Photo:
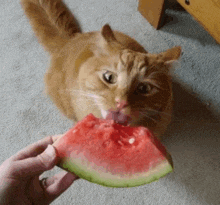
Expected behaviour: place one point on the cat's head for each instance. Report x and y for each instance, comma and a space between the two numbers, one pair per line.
128, 85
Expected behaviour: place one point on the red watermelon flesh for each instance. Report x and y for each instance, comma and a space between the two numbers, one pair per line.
113, 155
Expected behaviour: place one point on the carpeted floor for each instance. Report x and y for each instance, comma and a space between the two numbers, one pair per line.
193, 138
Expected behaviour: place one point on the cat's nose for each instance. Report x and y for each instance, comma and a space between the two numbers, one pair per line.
121, 103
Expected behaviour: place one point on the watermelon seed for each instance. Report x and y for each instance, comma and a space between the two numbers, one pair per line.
131, 141
120, 142
106, 143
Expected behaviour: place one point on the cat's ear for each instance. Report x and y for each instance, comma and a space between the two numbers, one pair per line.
105, 44
170, 57
107, 33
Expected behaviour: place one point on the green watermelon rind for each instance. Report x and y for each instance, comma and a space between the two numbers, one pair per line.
92, 175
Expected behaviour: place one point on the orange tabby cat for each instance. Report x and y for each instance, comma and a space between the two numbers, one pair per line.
106, 73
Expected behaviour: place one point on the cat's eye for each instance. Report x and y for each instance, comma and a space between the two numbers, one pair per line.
109, 77
144, 88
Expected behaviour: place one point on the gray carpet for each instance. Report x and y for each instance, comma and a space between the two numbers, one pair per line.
193, 139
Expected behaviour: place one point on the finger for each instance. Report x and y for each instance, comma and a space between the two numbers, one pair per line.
36, 148
35, 165
57, 184
56, 137
49, 181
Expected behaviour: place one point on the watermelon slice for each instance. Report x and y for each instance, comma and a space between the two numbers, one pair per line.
113, 155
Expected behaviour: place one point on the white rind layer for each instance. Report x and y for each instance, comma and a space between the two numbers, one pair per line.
101, 176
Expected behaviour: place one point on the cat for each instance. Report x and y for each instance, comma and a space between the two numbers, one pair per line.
104, 72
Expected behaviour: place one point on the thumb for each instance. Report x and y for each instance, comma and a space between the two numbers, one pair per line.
46, 160
37, 165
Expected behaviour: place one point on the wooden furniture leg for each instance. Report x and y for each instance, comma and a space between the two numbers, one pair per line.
153, 11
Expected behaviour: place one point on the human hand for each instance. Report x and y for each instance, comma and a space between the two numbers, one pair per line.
19, 176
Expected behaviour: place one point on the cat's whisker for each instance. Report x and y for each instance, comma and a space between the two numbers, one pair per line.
156, 121
90, 102
156, 111
145, 115
164, 114
83, 93
87, 94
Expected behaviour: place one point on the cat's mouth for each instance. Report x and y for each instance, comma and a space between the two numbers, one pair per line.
118, 117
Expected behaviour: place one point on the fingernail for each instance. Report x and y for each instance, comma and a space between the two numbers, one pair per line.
50, 151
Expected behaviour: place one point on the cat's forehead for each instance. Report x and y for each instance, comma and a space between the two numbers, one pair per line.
132, 63
133, 59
